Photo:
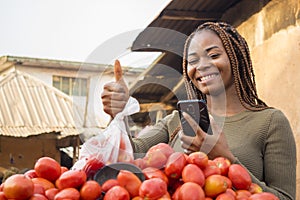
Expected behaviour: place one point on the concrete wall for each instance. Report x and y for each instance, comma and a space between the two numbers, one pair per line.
273, 35
22, 153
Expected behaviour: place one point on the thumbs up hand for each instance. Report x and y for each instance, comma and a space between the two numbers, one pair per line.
115, 94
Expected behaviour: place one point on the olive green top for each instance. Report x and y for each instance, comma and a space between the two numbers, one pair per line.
262, 141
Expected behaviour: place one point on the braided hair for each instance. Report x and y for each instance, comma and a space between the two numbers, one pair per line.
239, 56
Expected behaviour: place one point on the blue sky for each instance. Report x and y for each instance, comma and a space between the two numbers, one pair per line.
71, 29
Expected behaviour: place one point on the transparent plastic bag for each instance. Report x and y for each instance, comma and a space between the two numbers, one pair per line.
113, 144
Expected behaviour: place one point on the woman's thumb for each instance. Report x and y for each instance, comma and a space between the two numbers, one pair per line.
118, 70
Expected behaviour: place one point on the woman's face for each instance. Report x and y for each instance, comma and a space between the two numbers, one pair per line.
208, 64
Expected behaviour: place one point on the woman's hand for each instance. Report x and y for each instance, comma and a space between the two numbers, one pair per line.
115, 94
214, 145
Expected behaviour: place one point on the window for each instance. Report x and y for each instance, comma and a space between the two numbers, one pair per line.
71, 86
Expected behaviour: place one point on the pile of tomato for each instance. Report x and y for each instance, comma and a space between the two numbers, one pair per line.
168, 175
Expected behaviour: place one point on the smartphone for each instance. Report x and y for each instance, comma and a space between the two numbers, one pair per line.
197, 109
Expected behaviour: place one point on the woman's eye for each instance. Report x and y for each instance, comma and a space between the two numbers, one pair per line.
193, 61
214, 55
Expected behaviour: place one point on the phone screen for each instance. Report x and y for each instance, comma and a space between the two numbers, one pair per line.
197, 109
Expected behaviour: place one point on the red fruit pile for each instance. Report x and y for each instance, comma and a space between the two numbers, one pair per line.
169, 175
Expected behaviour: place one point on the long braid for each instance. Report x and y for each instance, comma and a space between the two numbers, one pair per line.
239, 55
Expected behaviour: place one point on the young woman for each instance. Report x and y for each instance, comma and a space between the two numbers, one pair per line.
217, 68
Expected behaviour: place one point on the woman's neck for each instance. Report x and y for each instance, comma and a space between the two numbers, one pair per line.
225, 104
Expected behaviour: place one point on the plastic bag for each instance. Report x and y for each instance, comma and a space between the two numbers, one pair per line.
113, 144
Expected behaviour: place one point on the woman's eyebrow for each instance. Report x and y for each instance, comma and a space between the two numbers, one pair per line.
212, 47
192, 54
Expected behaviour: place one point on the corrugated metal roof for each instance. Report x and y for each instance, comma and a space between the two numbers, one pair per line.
30, 107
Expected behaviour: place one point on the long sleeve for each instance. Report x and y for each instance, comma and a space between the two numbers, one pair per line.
263, 142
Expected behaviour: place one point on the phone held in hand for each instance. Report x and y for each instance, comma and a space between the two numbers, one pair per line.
197, 109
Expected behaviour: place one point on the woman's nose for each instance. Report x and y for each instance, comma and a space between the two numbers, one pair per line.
203, 64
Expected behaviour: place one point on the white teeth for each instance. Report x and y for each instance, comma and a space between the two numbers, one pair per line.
208, 77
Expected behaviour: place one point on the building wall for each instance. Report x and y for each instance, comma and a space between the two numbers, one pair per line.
23, 152
273, 35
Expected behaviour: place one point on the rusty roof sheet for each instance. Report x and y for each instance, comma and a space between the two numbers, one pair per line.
30, 107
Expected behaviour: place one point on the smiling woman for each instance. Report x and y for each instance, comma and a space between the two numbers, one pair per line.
217, 68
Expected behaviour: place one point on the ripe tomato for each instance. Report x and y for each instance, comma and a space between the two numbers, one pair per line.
241, 179
242, 194
255, 188
71, 179
47, 168
175, 165
91, 166
155, 159
198, 158
223, 164
117, 192
38, 197
38, 189
109, 184
190, 191
152, 172
166, 149
192, 173
44, 182
50, 193
90, 190
225, 196
140, 162
263, 196
67, 193
211, 169
18, 186
31, 173
130, 182
215, 185
153, 188
2, 196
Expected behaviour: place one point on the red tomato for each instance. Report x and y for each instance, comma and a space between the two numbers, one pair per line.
67, 193
153, 188
241, 179
91, 166
198, 158
151, 172
71, 179
38, 189
117, 192
140, 162
130, 182
255, 188
2, 196
109, 184
50, 193
192, 173
47, 168
263, 196
44, 182
90, 190
166, 149
38, 197
215, 185
211, 169
175, 164
225, 196
223, 164
242, 194
63, 169
155, 159
31, 173
190, 191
